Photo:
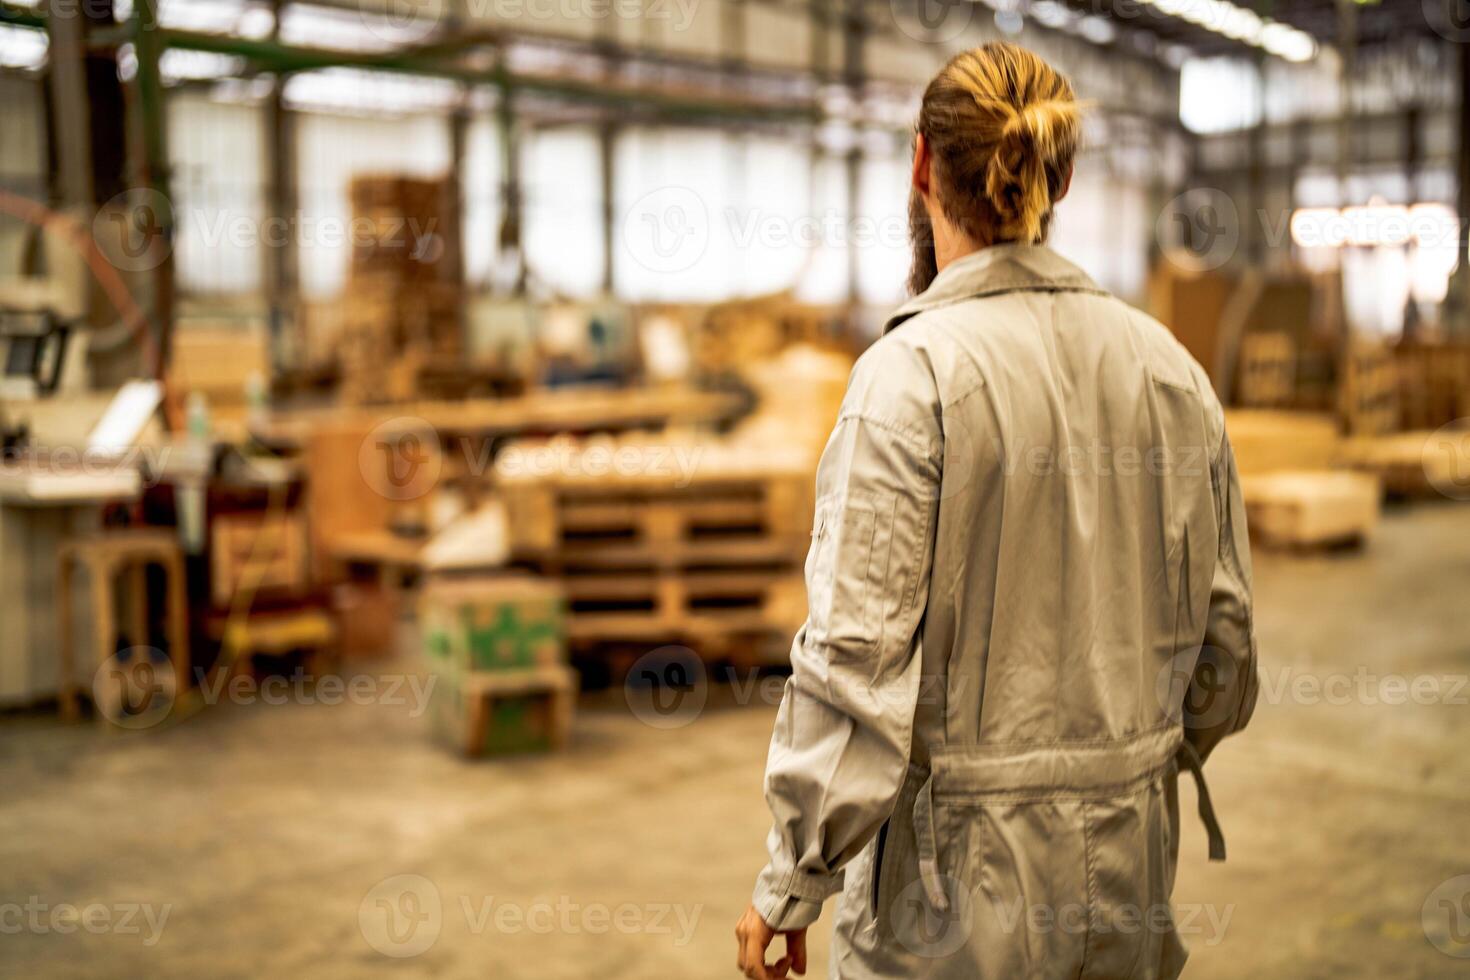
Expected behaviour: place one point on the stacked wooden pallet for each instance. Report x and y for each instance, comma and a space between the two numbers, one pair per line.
404, 300
1368, 390
1415, 464
708, 554
1267, 370
1309, 509
496, 647
1434, 383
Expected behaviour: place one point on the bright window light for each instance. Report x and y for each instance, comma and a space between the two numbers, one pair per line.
22, 48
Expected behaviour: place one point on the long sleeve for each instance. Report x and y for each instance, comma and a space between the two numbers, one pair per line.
842, 737
1222, 691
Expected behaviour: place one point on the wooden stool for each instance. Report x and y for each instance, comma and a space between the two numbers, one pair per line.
104, 556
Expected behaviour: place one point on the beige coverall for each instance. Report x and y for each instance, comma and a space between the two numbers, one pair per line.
1029, 607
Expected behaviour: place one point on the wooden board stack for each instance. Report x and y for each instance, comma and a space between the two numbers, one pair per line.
1307, 509
403, 300
1434, 383
1268, 370
1415, 464
1368, 391
1265, 441
707, 552
497, 648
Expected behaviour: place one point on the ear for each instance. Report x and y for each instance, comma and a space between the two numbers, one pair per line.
922, 160
1066, 186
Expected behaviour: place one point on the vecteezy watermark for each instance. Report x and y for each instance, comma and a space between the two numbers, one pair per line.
92, 461
563, 458
404, 915
667, 688
1450, 19
396, 690
934, 917
1446, 917
398, 21
401, 916
135, 688
401, 458
932, 21
39, 917
1446, 459
132, 230
667, 230
1199, 229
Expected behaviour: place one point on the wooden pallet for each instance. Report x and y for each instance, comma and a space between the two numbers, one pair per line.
1309, 509
659, 524
682, 605
703, 559
1414, 464
1368, 391
1267, 370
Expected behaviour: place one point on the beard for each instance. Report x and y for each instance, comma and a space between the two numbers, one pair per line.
923, 267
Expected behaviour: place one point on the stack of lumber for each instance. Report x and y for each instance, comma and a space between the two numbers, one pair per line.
1266, 442
1434, 383
404, 301
731, 335
1415, 464
220, 360
1311, 508
700, 543
1368, 390
798, 394
1267, 370
496, 646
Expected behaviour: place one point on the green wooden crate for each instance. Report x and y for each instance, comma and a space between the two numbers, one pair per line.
498, 623
502, 713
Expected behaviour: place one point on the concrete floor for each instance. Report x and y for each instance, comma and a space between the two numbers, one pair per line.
270, 833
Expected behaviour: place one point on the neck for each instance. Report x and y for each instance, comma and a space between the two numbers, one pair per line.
950, 242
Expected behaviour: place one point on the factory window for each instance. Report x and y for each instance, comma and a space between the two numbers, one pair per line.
1203, 82
218, 183
703, 215
332, 149
562, 236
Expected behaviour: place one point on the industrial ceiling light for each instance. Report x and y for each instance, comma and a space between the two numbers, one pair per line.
1241, 24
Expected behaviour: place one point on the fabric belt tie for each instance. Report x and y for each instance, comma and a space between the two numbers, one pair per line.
1189, 756
928, 847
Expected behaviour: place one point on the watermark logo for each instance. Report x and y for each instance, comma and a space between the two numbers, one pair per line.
1450, 19
1446, 459
667, 688
1199, 229
933, 920
401, 916
668, 230
401, 21
401, 459
1446, 917
932, 21
404, 915
135, 688
39, 917
131, 230
1199, 688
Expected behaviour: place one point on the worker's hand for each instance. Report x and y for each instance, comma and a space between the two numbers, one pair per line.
754, 937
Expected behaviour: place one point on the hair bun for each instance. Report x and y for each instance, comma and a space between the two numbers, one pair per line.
1033, 138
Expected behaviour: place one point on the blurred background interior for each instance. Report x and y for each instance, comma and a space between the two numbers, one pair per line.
410, 412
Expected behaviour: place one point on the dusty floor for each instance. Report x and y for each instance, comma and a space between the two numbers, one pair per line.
271, 836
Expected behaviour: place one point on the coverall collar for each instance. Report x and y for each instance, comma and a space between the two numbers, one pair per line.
996, 269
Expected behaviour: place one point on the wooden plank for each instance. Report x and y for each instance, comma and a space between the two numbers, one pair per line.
1311, 509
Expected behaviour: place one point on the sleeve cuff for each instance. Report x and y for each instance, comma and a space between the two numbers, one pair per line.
792, 900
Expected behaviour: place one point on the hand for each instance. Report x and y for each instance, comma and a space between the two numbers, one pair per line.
754, 936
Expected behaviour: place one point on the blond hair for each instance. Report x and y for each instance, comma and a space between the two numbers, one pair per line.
1003, 127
